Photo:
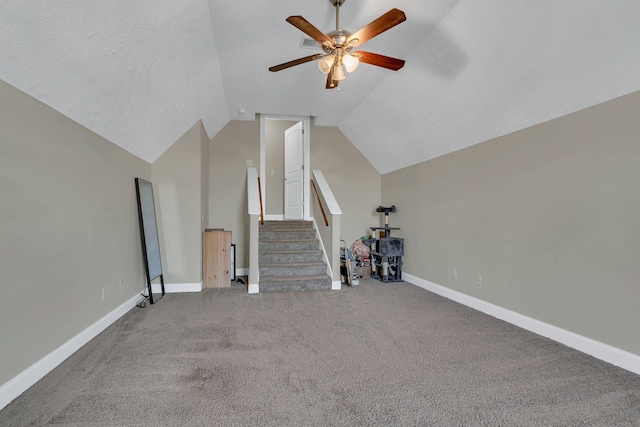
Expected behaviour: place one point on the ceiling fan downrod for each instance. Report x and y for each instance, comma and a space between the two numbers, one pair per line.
337, 4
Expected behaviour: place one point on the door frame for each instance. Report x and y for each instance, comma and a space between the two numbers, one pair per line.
306, 126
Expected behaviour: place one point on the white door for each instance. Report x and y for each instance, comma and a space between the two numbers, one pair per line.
293, 176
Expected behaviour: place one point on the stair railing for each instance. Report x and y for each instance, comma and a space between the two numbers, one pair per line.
254, 203
324, 215
260, 197
329, 235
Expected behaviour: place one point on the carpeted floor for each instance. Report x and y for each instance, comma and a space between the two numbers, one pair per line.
373, 355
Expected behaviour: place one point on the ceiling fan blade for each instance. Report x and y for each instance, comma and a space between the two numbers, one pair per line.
379, 60
378, 26
306, 27
295, 62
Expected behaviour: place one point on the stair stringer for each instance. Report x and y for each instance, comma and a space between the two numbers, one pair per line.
336, 285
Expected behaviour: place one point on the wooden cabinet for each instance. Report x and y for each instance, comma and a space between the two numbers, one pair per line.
216, 259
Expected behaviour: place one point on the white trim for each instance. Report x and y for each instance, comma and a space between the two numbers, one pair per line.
324, 251
336, 285
274, 217
176, 288
263, 159
242, 272
253, 198
254, 288
19, 384
306, 125
605, 352
327, 194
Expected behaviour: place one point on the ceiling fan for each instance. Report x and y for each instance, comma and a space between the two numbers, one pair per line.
338, 44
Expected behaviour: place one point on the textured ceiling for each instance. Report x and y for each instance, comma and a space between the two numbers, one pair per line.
142, 73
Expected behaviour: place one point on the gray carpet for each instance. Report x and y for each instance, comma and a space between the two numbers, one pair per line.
376, 354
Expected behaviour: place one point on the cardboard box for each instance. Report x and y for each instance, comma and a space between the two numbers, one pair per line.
364, 271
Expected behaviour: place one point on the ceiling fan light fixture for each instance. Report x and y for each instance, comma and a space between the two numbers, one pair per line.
326, 63
338, 72
350, 62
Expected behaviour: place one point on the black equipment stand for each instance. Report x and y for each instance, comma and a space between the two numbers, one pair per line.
386, 251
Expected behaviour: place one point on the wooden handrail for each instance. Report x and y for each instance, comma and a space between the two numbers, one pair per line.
326, 221
260, 196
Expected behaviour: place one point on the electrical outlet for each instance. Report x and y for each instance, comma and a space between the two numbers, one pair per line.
454, 273
121, 283
478, 279
104, 292
249, 162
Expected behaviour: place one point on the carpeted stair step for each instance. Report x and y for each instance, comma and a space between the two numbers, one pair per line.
293, 269
279, 225
290, 257
287, 234
295, 283
274, 257
293, 245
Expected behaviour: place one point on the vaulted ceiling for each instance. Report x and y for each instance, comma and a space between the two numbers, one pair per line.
141, 73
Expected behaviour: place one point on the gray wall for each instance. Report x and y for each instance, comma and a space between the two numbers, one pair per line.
229, 151
548, 216
177, 178
68, 227
355, 183
204, 178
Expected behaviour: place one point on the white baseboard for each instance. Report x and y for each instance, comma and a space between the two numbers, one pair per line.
242, 272
254, 288
176, 288
605, 352
19, 384
336, 285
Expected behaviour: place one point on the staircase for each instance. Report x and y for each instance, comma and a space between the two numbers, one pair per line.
290, 257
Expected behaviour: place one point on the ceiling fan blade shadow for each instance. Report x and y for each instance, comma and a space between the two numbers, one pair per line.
295, 62
378, 26
306, 27
380, 60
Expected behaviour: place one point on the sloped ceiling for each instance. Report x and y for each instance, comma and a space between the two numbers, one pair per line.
142, 73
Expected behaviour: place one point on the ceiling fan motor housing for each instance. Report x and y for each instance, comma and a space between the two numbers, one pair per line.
339, 38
